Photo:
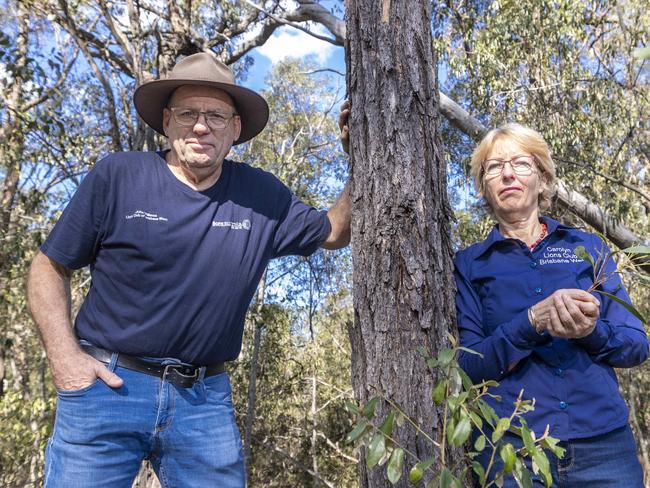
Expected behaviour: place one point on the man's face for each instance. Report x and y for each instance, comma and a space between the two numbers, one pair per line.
197, 146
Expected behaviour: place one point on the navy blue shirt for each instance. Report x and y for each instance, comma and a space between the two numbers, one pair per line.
572, 381
173, 269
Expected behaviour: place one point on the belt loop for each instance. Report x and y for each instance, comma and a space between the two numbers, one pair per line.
201, 373
113, 363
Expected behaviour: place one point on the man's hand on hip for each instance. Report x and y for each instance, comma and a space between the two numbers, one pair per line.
81, 370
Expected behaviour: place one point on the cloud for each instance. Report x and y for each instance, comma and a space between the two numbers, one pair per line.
288, 42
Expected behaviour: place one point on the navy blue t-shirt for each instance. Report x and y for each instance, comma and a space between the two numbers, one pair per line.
173, 269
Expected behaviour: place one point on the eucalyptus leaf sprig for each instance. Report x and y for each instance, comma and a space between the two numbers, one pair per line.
464, 409
635, 257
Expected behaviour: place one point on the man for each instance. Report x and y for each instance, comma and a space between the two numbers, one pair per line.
176, 242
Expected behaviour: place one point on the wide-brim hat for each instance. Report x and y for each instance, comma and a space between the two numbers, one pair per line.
202, 69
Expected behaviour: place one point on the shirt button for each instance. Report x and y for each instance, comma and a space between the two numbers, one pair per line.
533, 264
563, 405
559, 371
538, 290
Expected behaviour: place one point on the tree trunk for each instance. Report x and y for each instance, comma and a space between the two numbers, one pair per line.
403, 286
258, 324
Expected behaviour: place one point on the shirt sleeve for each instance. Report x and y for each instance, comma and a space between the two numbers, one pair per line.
76, 237
300, 230
619, 338
509, 343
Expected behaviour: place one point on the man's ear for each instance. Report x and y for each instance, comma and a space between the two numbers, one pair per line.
166, 116
237, 123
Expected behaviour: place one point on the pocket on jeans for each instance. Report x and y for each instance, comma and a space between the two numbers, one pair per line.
218, 388
79, 392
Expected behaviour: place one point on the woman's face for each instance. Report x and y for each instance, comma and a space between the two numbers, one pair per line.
512, 192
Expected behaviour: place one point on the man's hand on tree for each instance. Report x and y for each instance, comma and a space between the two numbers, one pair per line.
344, 115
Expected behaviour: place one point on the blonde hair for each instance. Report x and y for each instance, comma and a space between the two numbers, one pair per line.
530, 141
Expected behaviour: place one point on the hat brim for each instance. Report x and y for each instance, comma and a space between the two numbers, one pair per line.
151, 98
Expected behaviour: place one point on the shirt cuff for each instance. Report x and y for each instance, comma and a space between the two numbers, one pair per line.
595, 341
521, 332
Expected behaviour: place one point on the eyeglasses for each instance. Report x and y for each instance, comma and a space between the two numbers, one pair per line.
521, 165
187, 117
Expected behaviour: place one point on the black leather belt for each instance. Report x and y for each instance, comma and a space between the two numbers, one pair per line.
177, 374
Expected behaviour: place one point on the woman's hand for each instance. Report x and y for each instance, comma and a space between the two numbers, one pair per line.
567, 313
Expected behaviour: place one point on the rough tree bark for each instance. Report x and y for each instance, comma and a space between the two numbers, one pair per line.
403, 287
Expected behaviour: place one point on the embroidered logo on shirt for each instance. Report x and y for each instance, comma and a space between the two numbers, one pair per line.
559, 255
141, 214
243, 225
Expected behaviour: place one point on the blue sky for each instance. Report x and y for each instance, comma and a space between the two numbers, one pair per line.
288, 42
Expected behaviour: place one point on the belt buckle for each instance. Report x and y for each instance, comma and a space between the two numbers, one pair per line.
173, 373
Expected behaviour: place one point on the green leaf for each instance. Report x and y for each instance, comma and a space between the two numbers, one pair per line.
369, 408
357, 432
498, 480
432, 363
527, 437
416, 473
476, 419
488, 412
643, 250
395, 465
455, 401
642, 53
446, 478
400, 420
424, 465
461, 432
480, 471
522, 475
467, 381
451, 427
540, 459
376, 450
551, 443
445, 357
438, 393
479, 444
351, 407
509, 457
628, 306
387, 425
502, 426
471, 351
582, 253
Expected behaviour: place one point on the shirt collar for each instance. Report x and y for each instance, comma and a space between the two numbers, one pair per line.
495, 236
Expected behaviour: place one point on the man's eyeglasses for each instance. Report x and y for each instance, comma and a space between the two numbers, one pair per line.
187, 117
521, 165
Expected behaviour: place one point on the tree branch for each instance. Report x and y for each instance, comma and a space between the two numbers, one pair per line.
284, 21
29, 104
269, 26
310, 10
622, 183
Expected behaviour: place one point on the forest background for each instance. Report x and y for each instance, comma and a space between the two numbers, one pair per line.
67, 73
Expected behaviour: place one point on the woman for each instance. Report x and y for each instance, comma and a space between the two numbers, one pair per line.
522, 304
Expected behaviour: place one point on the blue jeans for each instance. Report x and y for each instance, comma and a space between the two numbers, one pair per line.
605, 461
101, 435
